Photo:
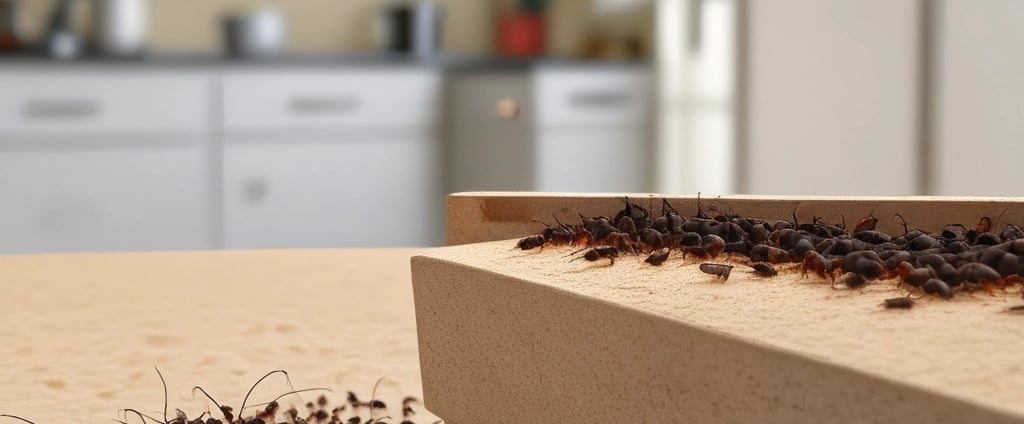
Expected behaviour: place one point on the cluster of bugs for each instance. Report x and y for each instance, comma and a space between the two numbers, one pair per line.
955, 259
319, 412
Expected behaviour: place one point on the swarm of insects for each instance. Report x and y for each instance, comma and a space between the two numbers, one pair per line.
354, 411
955, 259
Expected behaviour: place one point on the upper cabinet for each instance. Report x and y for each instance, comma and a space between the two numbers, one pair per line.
979, 113
832, 97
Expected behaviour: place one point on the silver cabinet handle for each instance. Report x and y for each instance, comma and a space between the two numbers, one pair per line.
55, 109
255, 189
320, 105
600, 99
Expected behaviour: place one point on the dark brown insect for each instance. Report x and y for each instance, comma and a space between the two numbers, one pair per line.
937, 286
713, 244
658, 256
984, 225
531, 242
914, 276
813, 261
227, 411
764, 269
765, 253
407, 410
866, 223
270, 411
851, 280
595, 253
718, 270
899, 303
1017, 308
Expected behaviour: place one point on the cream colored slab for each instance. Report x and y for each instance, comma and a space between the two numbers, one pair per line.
484, 216
513, 336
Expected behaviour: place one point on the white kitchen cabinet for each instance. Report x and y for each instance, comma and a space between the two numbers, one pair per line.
331, 159
580, 129
979, 113
372, 191
104, 199
103, 160
832, 99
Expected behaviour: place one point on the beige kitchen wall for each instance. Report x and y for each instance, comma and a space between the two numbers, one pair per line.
327, 26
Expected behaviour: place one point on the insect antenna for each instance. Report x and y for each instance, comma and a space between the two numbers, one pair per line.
995, 227
902, 221
17, 418
373, 399
258, 383
219, 407
142, 417
162, 381
290, 393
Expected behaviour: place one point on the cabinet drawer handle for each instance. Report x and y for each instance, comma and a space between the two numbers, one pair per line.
255, 189
47, 109
599, 99
311, 105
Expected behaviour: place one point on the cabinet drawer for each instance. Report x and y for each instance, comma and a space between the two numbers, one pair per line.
109, 103
337, 99
604, 97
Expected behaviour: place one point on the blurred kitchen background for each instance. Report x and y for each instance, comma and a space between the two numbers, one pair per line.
198, 124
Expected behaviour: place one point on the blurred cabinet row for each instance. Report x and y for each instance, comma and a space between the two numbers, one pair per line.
144, 159
575, 131
881, 97
110, 157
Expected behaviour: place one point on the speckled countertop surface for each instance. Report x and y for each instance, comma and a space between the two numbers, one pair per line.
82, 332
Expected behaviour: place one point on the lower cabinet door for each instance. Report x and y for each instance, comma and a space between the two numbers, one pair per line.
104, 199
606, 160
379, 191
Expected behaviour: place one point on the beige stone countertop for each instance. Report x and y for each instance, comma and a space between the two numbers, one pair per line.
966, 348
81, 333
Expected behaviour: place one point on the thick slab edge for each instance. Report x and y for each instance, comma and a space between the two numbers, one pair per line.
498, 348
474, 217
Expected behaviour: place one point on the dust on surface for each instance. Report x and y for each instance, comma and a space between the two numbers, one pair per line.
83, 332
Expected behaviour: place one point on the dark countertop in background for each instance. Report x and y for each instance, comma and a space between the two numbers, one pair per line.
448, 62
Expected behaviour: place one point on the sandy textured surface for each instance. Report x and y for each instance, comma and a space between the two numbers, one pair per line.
966, 348
81, 333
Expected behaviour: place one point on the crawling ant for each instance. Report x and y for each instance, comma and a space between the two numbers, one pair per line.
937, 286
764, 269
657, 257
866, 223
595, 253
718, 270
407, 410
813, 261
905, 302
531, 242
270, 411
852, 280
226, 410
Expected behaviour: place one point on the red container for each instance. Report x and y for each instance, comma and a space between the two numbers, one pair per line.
521, 34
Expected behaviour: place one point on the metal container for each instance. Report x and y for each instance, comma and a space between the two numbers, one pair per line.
260, 33
121, 26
